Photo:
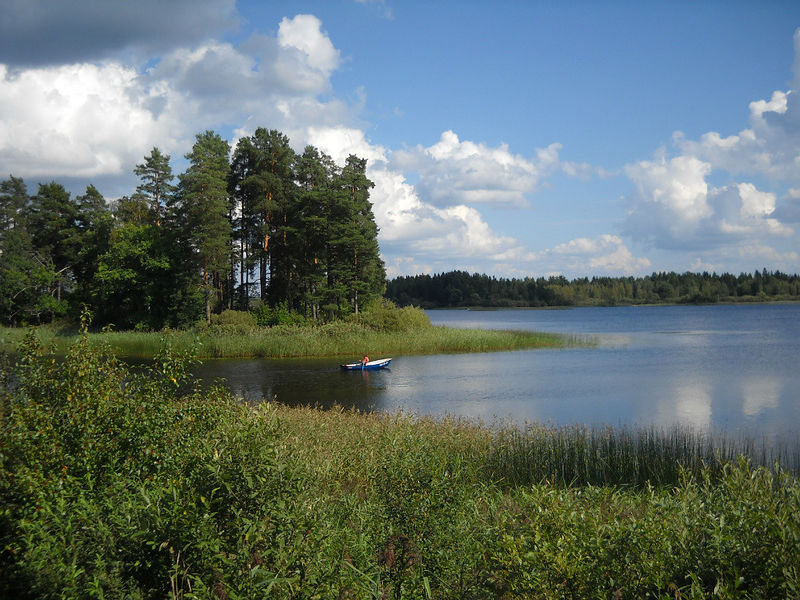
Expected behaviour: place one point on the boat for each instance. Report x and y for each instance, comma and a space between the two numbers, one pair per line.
371, 365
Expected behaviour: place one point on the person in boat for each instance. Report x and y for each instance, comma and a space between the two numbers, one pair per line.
364, 360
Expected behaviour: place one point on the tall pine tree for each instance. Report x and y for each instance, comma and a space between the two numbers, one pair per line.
155, 188
204, 201
26, 275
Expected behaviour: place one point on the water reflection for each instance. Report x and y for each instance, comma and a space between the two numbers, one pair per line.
687, 404
724, 368
759, 395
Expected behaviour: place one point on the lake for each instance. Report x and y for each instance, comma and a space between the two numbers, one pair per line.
727, 368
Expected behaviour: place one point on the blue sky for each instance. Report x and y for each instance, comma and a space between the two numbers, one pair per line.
510, 138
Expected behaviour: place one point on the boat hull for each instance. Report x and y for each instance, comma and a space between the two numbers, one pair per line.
372, 365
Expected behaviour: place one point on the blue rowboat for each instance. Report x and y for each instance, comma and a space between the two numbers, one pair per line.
371, 365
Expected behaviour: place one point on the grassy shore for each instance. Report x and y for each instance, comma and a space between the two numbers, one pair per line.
116, 484
334, 339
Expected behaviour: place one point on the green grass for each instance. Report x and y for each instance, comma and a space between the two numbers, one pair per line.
334, 339
117, 484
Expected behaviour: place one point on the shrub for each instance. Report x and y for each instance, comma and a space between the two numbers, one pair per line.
383, 315
239, 318
121, 485
268, 316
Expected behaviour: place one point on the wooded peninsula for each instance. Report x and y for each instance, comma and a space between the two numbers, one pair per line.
293, 230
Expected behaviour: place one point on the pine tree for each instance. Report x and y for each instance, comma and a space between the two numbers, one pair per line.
26, 275
264, 183
204, 200
314, 173
54, 228
356, 272
156, 189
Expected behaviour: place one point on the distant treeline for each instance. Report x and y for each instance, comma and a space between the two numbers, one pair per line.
458, 288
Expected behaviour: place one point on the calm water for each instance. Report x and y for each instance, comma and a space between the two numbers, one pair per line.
726, 368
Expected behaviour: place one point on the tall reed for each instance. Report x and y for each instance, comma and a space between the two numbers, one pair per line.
289, 341
631, 456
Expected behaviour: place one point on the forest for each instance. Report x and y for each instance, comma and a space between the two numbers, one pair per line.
259, 224
458, 288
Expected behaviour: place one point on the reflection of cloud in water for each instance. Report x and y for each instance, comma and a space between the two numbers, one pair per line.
607, 340
759, 395
686, 404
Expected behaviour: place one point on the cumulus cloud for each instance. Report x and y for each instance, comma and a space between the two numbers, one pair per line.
747, 220
770, 146
83, 119
99, 119
677, 186
673, 206
303, 33
340, 142
605, 254
454, 233
454, 172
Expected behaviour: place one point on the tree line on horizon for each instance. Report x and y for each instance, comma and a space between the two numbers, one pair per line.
461, 289
260, 222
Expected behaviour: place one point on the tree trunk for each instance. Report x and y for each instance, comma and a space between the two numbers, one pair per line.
263, 277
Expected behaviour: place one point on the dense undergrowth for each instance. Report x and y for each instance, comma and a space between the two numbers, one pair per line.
138, 485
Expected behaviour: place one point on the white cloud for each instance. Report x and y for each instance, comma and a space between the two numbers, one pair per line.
605, 254
405, 221
755, 204
304, 33
768, 255
77, 120
770, 146
699, 266
340, 142
677, 185
452, 172
96, 120
674, 207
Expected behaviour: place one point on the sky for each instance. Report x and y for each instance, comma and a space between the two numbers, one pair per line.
511, 138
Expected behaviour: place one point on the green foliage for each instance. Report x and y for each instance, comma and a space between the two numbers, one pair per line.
267, 316
337, 338
155, 189
384, 315
300, 227
133, 278
237, 318
118, 484
202, 206
458, 288
121, 484
306, 225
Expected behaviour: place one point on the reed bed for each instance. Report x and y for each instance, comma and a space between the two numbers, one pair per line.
627, 456
284, 341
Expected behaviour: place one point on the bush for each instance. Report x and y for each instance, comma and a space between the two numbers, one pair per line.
268, 316
240, 318
121, 485
383, 315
